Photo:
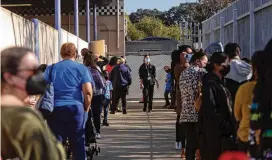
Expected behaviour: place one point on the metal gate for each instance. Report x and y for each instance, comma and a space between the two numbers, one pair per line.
135, 61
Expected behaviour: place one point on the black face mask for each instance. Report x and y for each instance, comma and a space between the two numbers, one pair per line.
225, 70
36, 84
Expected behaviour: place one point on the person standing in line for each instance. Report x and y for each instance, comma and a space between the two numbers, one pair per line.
240, 71
189, 79
243, 100
215, 113
147, 74
24, 134
108, 98
167, 85
98, 93
183, 64
175, 57
72, 97
100, 64
121, 79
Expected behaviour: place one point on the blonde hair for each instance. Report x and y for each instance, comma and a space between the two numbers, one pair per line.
68, 50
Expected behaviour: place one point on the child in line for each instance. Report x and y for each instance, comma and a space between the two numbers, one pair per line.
168, 87
108, 98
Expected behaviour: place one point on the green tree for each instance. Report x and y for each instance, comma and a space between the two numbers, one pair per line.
132, 32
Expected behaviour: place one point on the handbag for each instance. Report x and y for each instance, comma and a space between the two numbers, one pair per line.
46, 101
198, 100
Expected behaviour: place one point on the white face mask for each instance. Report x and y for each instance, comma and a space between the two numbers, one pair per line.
147, 60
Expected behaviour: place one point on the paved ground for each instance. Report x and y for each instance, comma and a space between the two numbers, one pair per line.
139, 135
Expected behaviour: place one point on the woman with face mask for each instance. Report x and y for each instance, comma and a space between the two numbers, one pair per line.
215, 114
189, 79
23, 132
147, 74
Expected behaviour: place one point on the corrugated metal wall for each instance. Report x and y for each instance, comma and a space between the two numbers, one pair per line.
262, 22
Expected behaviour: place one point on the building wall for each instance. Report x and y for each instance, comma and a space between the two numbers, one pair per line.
106, 20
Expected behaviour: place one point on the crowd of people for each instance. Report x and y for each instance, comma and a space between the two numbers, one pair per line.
222, 102
69, 96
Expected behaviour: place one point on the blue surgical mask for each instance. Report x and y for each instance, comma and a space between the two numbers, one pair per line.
147, 60
188, 57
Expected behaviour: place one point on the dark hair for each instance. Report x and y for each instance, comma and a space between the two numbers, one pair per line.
175, 56
183, 48
113, 61
246, 60
230, 50
262, 92
89, 59
257, 63
42, 67
216, 58
196, 56
11, 59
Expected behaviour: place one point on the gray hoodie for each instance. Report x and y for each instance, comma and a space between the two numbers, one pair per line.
240, 71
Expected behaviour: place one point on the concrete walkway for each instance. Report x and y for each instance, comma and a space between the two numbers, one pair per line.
139, 135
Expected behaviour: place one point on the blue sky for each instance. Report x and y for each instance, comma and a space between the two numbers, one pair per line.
133, 5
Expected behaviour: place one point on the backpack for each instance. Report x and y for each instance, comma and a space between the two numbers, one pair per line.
46, 102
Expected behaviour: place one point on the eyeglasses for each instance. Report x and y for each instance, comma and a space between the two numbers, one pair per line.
34, 70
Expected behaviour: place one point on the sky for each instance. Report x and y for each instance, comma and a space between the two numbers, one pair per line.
162, 5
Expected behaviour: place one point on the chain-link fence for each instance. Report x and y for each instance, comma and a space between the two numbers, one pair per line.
135, 61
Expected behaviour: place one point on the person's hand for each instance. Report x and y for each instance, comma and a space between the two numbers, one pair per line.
141, 86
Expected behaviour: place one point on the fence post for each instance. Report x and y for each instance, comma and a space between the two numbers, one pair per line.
199, 36
58, 24
222, 33
36, 37
252, 28
234, 32
212, 24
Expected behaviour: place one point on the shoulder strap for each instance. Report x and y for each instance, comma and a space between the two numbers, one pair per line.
50, 72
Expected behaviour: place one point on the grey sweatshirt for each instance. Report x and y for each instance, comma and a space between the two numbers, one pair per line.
240, 71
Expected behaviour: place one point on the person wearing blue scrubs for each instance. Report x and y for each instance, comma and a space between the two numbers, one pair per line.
72, 99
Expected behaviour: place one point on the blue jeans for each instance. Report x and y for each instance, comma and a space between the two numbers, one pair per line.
69, 122
106, 109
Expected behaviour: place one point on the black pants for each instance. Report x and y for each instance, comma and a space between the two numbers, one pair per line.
191, 132
173, 97
120, 93
148, 92
166, 94
96, 107
180, 132
242, 146
90, 130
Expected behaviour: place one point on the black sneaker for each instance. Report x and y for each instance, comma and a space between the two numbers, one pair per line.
124, 111
144, 109
105, 123
112, 112
118, 110
149, 110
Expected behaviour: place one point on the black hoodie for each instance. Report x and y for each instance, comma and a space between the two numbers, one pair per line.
215, 113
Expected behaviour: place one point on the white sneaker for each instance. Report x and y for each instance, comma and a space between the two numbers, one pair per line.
178, 145
98, 136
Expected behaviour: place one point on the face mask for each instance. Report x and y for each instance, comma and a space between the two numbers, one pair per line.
147, 60
36, 84
225, 70
188, 57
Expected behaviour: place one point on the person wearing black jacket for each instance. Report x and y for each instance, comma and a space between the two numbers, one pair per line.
215, 114
147, 74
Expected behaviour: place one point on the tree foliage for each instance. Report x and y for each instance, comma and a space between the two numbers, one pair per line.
152, 27
152, 22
